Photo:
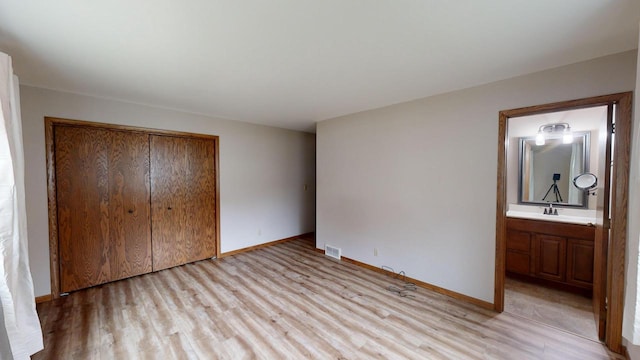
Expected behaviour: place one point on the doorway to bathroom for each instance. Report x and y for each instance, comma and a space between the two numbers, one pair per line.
560, 258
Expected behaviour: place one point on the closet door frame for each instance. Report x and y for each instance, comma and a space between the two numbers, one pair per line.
50, 123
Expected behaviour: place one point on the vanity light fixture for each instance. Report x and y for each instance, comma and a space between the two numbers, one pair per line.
554, 129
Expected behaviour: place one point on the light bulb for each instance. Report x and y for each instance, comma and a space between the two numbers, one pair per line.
567, 137
540, 139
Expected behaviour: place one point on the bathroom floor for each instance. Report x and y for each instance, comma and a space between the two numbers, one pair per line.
562, 310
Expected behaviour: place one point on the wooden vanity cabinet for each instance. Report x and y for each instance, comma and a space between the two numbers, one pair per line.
552, 252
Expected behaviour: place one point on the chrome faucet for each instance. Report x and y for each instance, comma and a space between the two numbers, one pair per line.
550, 210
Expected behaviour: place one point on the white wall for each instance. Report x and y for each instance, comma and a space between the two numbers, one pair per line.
631, 324
262, 170
417, 181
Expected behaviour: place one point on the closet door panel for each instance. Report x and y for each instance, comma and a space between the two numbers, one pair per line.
129, 205
168, 216
83, 206
200, 199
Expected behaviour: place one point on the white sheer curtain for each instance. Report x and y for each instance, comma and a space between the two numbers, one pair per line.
575, 169
20, 326
532, 180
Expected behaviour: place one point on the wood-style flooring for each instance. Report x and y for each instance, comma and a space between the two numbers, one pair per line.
563, 310
287, 302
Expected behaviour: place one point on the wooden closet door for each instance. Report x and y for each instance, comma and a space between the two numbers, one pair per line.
83, 197
168, 216
183, 200
103, 205
130, 210
200, 199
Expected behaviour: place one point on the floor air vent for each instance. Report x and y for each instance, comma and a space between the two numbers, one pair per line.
331, 251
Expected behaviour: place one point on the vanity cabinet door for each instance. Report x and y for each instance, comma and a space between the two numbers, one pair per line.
518, 252
551, 255
580, 262
518, 263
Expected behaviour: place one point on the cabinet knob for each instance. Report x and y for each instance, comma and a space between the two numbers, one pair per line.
169, 208
130, 211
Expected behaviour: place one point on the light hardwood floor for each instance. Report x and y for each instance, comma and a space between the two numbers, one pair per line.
287, 302
557, 308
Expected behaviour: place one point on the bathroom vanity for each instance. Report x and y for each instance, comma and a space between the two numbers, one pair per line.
552, 252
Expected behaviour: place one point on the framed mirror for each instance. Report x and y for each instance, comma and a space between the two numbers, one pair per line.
547, 171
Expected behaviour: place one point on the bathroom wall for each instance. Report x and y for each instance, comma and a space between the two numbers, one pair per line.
526, 126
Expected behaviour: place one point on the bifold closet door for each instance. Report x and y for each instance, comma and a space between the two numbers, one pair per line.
183, 199
103, 191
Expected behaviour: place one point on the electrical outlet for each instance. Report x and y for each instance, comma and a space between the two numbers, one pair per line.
306, 187
375, 252
259, 232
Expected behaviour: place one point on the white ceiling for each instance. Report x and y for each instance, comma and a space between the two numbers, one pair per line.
290, 63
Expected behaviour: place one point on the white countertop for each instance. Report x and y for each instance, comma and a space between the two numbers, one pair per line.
571, 219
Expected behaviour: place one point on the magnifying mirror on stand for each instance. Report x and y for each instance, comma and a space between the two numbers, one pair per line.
587, 182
